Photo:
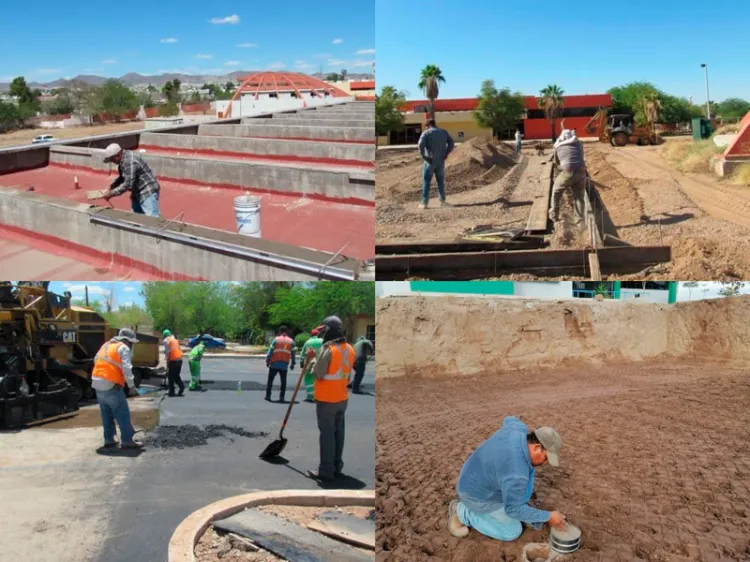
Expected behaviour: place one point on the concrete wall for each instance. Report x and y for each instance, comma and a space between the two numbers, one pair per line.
324, 116
248, 106
17, 159
287, 178
272, 130
70, 223
300, 122
453, 336
302, 149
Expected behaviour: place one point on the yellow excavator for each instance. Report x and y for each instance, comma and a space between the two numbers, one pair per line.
47, 351
620, 129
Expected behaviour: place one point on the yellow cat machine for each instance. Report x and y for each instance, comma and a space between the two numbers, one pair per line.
620, 129
47, 351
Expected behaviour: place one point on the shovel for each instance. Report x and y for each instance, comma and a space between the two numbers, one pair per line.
275, 448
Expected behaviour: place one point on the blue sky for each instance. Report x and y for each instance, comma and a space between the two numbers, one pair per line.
584, 46
63, 39
125, 293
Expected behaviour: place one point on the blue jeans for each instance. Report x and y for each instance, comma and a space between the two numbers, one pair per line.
496, 524
114, 406
428, 170
518, 147
148, 207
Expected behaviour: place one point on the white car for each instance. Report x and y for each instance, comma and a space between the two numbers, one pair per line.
43, 138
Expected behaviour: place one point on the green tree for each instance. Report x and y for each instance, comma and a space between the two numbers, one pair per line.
10, 117
117, 99
169, 109
429, 82
195, 97
252, 301
62, 104
230, 87
551, 101
690, 285
20, 90
333, 77
731, 288
145, 99
498, 109
674, 110
388, 117
732, 108
171, 91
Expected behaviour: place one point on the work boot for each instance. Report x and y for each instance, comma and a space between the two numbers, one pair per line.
444, 203
131, 445
357, 391
268, 398
181, 393
422, 206
315, 475
455, 526
111, 445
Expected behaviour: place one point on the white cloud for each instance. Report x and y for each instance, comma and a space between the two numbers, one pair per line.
45, 71
202, 56
365, 52
94, 290
109, 61
362, 63
276, 65
302, 65
337, 41
129, 289
322, 56
336, 62
247, 45
125, 304
231, 20
169, 40
232, 63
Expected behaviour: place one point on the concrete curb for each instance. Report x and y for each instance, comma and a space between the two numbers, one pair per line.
189, 532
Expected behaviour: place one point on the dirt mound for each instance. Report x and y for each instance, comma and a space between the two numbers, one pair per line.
449, 336
475, 163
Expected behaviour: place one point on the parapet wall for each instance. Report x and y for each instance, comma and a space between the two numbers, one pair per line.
448, 336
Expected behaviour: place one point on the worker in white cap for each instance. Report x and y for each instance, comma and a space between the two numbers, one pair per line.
113, 372
497, 480
135, 176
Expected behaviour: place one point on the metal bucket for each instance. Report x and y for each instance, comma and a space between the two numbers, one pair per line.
566, 541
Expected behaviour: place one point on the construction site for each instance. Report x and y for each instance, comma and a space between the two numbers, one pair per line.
650, 401
643, 218
197, 488
301, 152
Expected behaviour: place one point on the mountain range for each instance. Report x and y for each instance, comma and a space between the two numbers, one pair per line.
133, 78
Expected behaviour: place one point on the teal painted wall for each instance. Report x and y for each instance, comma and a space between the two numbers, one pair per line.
672, 292
464, 287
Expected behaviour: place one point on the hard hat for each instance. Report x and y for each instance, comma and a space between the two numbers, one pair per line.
166, 333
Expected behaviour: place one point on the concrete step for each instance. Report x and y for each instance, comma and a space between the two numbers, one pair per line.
326, 116
271, 129
300, 122
291, 150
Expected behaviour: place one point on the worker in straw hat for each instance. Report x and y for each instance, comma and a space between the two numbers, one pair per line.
496, 482
113, 371
135, 176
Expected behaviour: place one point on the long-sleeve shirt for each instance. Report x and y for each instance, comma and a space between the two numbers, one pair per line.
127, 369
312, 345
135, 176
362, 348
435, 145
283, 365
498, 474
196, 354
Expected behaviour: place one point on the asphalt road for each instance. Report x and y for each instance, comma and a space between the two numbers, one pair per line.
164, 486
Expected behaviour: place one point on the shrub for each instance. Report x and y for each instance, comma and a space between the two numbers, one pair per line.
741, 175
301, 338
169, 109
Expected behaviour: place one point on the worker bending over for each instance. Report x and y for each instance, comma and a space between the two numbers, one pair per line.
496, 482
435, 145
332, 370
173, 355
572, 175
309, 353
280, 358
135, 176
362, 348
194, 362
113, 371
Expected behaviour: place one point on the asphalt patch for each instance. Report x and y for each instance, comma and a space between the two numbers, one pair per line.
185, 436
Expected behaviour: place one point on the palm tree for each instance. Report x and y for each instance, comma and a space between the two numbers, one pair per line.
429, 81
550, 100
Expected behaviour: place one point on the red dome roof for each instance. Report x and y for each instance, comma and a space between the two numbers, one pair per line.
275, 82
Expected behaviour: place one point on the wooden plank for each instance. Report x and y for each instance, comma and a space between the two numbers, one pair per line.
290, 541
444, 247
346, 527
476, 265
594, 234
596, 274
610, 240
539, 214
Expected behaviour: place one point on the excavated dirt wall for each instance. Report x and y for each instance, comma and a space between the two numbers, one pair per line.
444, 336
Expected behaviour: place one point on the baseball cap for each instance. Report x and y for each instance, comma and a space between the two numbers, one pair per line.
126, 334
550, 440
112, 150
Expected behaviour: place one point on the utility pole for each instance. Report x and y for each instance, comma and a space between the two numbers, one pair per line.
87, 295
708, 102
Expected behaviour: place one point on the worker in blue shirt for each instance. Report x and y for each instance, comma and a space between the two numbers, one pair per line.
435, 144
496, 482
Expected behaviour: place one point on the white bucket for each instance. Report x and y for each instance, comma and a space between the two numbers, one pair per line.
247, 213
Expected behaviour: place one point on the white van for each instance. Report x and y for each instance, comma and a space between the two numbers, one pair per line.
43, 138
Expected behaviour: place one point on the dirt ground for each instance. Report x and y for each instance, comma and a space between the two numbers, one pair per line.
219, 545
652, 468
18, 138
705, 220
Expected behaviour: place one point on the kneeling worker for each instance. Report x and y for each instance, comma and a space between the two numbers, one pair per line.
113, 370
496, 482
332, 370
194, 362
135, 176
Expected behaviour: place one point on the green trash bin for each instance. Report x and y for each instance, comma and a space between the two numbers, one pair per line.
701, 128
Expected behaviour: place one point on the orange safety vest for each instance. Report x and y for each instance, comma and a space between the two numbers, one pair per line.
332, 388
108, 365
175, 353
282, 349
